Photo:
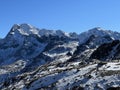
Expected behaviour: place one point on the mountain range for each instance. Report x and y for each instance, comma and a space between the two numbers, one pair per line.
40, 59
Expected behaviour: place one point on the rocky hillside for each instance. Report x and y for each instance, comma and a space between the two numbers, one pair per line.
40, 59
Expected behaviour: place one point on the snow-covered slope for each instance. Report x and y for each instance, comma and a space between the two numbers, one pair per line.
32, 58
73, 76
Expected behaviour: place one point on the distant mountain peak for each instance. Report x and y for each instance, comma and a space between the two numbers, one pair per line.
27, 29
23, 25
97, 28
99, 32
15, 26
19, 30
26, 25
23, 29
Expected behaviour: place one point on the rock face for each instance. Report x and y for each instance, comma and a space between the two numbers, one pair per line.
107, 51
32, 58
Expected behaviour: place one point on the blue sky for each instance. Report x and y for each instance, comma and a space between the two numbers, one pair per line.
67, 15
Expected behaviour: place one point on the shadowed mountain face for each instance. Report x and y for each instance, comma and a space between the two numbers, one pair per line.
29, 53
107, 51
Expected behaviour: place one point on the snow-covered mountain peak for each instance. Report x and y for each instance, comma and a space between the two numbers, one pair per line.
15, 27
26, 26
98, 32
96, 28
23, 29
22, 26
27, 29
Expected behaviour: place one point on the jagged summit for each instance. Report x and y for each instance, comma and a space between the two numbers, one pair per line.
98, 32
23, 26
27, 29
23, 29
97, 28
20, 30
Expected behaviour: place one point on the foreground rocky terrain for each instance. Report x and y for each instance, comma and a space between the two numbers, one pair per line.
40, 59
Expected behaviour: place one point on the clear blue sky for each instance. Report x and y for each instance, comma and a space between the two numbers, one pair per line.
67, 15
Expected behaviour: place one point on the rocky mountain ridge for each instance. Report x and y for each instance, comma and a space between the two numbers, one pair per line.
40, 59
